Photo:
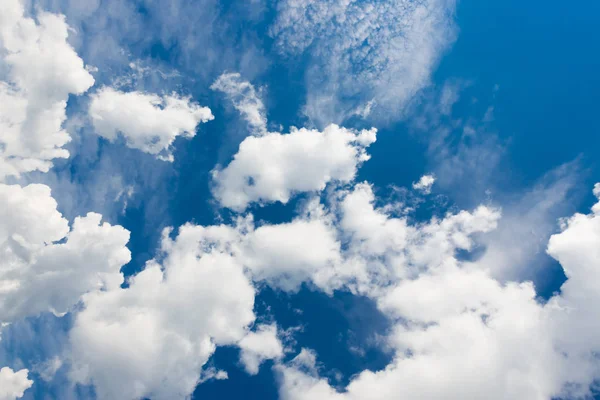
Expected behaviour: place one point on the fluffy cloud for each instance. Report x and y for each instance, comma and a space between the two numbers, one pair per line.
575, 315
45, 266
459, 333
275, 166
258, 346
280, 255
148, 122
152, 338
424, 184
245, 99
38, 71
13, 384
364, 50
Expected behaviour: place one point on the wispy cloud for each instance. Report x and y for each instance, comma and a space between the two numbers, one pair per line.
363, 50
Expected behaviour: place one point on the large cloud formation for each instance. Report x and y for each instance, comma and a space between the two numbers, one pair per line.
459, 333
45, 265
152, 338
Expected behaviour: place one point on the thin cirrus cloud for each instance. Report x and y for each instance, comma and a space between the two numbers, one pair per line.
245, 99
358, 50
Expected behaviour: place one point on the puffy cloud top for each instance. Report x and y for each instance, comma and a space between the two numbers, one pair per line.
47, 266
275, 166
148, 122
43, 70
13, 384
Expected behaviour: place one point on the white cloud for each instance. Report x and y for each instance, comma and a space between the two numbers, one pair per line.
363, 50
258, 346
459, 333
424, 184
148, 122
275, 166
13, 384
576, 317
42, 70
44, 265
245, 99
280, 255
152, 338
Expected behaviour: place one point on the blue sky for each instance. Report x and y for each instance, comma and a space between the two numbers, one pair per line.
250, 249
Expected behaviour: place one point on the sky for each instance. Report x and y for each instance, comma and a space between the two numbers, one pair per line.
299, 199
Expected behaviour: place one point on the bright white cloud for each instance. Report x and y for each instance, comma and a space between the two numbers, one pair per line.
363, 50
245, 99
148, 122
152, 338
575, 315
44, 265
462, 334
424, 184
41, 71
280, 255
275, 166
13, 384
259, 346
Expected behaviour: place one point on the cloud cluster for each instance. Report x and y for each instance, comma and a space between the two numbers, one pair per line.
376, 50
459, 333
148, 122
47, 266
38, 72
152, 338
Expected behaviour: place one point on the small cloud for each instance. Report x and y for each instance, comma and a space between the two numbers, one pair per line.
424, 184
245, 99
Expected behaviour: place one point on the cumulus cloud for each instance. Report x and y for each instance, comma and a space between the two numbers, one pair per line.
40, 71
259, 346
278, 254
45, 265
275, 166
245, 99
13, 384
383, 50
148, 122
424, 184
459, 333
152, 338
